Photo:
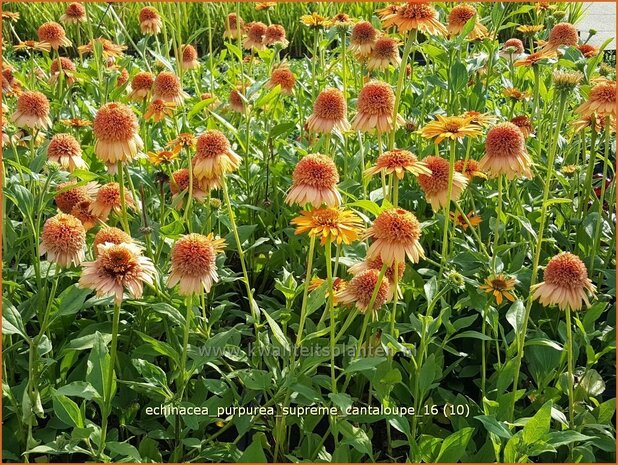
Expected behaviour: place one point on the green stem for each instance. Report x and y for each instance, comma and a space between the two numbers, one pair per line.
497, 225
331, 308
571, 379
123, 199
400, 80
109, 381
537, 253
303, 308
447, 207
601, 200
253, 307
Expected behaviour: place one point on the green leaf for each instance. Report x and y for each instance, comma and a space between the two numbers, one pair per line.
254, 453
562, 438
515, 315
458, 77
12, 322
454, 447
364, 364
356, 438
67, 411
494, 426
473, 335
123, 449
277, 332
537, 426
71, 300
160, 347
98, 368
78, 389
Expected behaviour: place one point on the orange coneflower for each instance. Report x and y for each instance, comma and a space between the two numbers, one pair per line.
414, 15
588, 50
505, 152
459, 16
141, 86
189, 57
108, 200
375, 106
483, 120
110, 49
560, 35
566, 283
470, 169
314, 181
396, 234
385, 53
53, 34
338, 285
376, 264
234, 26
110, 235
512, 49
208, 96
179, 182
329, 112
158, 110
214, 155
398, 161
275, 35
66, 151
118, 266
282, 76
122, 78
533, 59
435, 185
602, 100
64, 66
524, 124
32, 111
255, 36
238, 100
81, 211
149, 21
116, 129
501, 286
450, 127
592, 121
167, 87
33, 45
184, 139
63, 239
76, 122
341, 21
363, 38
329, 224
459, 219
194, 263
70, 194
75, 13
516, 94
360, 289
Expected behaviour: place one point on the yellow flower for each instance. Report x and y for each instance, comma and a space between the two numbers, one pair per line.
33, 45
450, 127
10, 15
159, 109
530, 29
315, 20
164, 156
184, 139
265, 5
460, 220
330, 224
501, 286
